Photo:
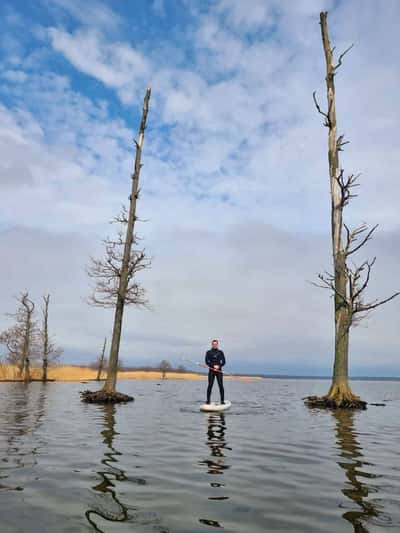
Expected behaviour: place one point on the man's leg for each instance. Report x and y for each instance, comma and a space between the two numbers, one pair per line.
211, 377
221, 386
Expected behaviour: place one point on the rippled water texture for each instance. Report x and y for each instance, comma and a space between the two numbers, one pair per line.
268, 464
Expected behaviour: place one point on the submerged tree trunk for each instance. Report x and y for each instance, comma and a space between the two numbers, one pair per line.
101, 362
340, 393
29, 308
110, 384
348, 281
108, 393
45, 332
340, 388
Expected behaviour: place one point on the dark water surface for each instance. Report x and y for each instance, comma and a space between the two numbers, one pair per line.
158, 464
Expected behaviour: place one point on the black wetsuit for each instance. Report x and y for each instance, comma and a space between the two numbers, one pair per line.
215, 357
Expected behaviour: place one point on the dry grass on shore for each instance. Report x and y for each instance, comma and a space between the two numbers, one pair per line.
84, 373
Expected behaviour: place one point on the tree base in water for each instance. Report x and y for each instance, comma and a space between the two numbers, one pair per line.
101, 396
340, 396
327, 402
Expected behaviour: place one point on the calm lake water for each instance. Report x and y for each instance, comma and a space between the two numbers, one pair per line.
160, 465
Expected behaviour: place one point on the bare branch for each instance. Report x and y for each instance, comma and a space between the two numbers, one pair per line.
325, 115
339, 63
364, 241
368, 307
341, 142
106, 273
122, 217
328, 282
346, 185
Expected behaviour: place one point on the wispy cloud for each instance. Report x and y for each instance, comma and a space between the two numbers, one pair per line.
94, 13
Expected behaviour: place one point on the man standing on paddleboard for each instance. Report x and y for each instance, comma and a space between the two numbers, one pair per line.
215, 360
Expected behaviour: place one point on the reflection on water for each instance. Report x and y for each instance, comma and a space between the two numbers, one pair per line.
22, 415
216, 463
357, 489
66, 467
107, 505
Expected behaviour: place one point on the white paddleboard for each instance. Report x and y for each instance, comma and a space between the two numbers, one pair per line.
211, 407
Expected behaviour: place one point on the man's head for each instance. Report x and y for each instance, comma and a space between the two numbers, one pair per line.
214, 344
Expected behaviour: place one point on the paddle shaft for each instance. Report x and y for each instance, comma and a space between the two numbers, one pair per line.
211, 368
206, 366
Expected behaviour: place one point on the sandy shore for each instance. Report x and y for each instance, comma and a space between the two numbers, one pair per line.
84, 373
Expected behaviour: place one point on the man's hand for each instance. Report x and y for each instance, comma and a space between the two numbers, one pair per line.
216, 367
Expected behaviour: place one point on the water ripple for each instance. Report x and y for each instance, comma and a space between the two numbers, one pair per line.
268, 464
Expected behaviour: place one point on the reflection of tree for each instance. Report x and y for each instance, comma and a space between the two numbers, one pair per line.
216, 464
107, 505
21, 416
352, 462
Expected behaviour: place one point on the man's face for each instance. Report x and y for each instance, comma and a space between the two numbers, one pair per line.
214, 345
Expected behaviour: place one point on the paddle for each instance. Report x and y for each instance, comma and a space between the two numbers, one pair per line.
206, 366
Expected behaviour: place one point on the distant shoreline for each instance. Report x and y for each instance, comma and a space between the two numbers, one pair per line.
9, 373
351, 378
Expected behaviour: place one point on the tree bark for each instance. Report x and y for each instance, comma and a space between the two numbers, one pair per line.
340, 388
110, 384
29, 309
101, 362
45, 354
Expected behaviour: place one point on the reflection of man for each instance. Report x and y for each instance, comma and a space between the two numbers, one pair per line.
215, 360
216, 442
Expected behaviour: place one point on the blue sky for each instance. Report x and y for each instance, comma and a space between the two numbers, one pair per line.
235, 183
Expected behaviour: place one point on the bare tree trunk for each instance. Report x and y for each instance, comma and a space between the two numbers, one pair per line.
45, 355
101, 362
29, 309
340, 389
110, 384
348, 282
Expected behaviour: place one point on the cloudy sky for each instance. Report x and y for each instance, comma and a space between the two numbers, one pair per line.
235, 178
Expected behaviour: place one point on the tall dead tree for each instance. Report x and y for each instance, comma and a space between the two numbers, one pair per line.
114, 276
348, 283
101, 360
21, 338
28, 310
12, 339
50, 352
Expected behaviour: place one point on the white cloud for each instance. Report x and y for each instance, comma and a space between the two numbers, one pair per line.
92, 13
118, 65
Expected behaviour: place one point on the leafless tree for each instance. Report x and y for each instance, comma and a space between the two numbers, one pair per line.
21, 339
12, 340
50, 352
164, 366
349, 281
106, 272
115, 281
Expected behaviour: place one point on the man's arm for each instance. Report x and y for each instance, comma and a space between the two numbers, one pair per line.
207, 359
222, 359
